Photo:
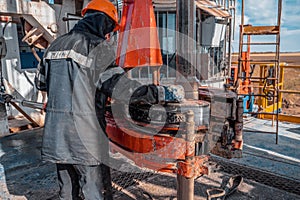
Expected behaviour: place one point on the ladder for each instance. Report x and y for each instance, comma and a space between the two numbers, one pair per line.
269, 86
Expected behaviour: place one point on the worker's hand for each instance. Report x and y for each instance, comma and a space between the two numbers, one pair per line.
152, 94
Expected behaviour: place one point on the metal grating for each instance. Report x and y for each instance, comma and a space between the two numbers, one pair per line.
264, 177
123, 180
125, 173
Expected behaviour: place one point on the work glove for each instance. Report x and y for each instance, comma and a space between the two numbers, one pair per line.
152, 94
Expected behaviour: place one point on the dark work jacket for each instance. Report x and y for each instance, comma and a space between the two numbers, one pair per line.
78, 76
70, 72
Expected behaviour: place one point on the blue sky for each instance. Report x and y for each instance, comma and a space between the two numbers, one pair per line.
264, 12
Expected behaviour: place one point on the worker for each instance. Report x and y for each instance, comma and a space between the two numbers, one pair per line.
69, 72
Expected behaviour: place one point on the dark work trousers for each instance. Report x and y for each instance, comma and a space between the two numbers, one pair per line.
84, 182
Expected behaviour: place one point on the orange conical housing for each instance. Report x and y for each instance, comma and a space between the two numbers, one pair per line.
138, 42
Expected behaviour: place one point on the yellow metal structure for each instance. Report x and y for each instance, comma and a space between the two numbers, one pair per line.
284, 118
269, 107
266, 88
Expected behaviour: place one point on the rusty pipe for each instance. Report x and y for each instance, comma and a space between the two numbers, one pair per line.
190, 134
185, 186
35, 54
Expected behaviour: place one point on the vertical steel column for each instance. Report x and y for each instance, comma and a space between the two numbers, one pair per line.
185, 186
277, 68
241, 40
198, 46
3, 115
3, 120
186, 46
229, 48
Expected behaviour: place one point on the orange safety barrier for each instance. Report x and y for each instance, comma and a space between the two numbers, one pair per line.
138, 42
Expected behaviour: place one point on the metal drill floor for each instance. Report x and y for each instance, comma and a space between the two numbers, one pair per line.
24, 176
262, 152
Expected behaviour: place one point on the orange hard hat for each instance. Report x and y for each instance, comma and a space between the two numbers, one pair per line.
104, 6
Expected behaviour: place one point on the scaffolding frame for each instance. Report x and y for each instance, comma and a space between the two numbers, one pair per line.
244, 59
